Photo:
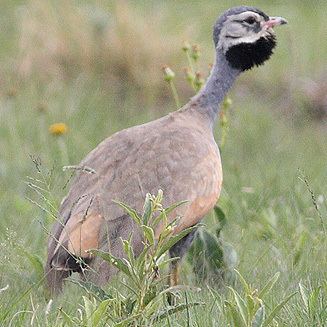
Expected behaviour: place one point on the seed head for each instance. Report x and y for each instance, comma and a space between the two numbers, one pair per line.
189, 75
186, 46
195, 52
228, 102
169, 75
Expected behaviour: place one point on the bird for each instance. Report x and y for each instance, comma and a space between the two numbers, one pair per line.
176, 153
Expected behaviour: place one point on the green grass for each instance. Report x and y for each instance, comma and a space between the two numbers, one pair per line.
274, 160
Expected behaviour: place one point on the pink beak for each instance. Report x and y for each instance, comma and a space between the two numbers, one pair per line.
274, 21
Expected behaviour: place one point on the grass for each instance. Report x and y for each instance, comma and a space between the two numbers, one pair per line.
274, 159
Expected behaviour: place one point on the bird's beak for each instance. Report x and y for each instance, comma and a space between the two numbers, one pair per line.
274, 21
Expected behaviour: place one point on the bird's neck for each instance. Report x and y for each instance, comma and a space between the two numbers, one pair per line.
207, 101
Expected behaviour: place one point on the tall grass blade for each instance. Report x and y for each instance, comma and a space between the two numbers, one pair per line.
68, 321
304, 296
276, 310
270, 284
240, 304
313, 301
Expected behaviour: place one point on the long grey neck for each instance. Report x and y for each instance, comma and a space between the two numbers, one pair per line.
207, 101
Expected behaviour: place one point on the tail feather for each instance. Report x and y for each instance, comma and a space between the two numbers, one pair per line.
63, 260
55, 279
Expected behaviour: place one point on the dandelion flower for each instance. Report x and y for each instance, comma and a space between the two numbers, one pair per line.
58, 129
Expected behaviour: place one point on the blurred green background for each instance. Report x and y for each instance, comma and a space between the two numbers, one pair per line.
96, 66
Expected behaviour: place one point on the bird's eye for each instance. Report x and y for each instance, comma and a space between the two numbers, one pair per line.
250, 20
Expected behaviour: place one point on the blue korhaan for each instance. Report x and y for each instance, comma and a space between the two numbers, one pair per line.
176, 153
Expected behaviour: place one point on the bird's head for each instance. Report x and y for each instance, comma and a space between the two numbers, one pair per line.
245, 36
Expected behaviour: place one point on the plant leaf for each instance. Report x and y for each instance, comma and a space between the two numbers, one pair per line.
89, 308
235, 315
276, 310
240, 305
128, 249
126, 322
148, 233
100, 312
147, 209
221, 217
117, 262
259, 317
173, 240
92, 289
269, 285
213, 251
230, 255
130, 211
246, 286
177, 308
250, 304
167, 211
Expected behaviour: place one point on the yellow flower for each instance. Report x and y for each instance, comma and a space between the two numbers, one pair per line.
58, 129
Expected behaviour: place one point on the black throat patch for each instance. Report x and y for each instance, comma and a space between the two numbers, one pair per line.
244, 56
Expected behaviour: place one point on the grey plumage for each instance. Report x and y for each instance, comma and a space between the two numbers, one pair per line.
207, 101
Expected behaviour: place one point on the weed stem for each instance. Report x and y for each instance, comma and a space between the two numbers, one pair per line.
175, 94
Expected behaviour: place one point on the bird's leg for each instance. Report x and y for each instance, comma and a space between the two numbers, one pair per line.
174, 273
173, 280
178, 251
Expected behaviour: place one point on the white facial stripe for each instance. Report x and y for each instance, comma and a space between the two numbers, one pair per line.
246, 14
234, 32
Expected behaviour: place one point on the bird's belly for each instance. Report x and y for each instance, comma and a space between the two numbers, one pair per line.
206, 183
196, 211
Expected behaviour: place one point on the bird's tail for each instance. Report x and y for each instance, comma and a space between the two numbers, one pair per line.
54, 280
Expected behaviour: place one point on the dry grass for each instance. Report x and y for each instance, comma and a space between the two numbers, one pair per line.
315, 97
61, 40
